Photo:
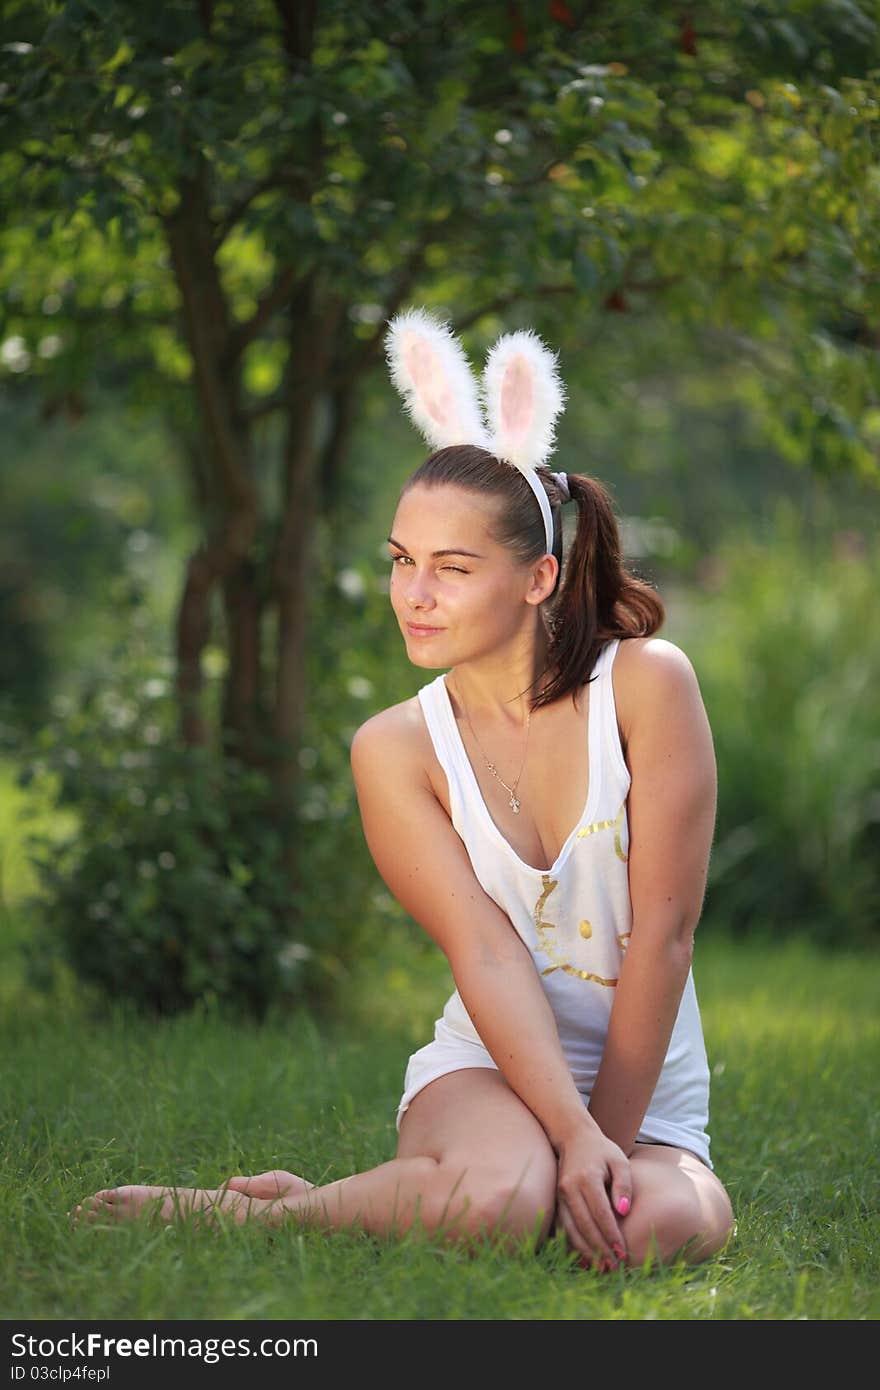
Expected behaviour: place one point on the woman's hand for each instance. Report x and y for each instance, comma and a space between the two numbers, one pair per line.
594, 1186
277, 1182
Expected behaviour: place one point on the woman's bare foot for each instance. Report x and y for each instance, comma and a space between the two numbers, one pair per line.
274, 1183
169, 1204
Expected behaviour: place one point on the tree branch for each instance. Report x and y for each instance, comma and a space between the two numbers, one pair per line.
298, 19
292, 179
266, 407
504, 301
274, 299
206, 319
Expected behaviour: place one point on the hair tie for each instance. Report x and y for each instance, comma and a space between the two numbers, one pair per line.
514, 416
561, 481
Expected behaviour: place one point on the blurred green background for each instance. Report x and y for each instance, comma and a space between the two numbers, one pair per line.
212, 211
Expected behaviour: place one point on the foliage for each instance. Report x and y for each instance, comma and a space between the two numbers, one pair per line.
788, 655
572, 166
92, 535
726, 178
168, 889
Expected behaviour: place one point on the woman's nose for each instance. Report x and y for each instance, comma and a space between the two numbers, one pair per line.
418, 592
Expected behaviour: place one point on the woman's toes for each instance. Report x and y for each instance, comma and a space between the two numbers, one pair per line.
92, 1209
128, 1201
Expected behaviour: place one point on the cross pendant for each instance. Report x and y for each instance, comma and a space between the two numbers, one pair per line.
513, 803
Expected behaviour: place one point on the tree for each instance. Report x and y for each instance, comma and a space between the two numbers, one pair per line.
221, 205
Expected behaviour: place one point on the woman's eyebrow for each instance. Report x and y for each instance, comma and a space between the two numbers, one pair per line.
438, 554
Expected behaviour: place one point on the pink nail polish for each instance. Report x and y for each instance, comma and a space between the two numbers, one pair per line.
623, 1206
619, 1251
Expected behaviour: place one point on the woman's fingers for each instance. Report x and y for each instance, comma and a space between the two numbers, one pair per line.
589, 1246
607, 1223
596, 1232
621, 1185
255, 1186
584, 1206
276, 1182
593, 1256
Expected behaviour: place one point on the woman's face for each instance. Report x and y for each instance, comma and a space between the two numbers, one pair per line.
457, 593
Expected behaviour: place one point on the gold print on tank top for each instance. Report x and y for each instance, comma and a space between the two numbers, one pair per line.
546, 943
548, 932
616, 825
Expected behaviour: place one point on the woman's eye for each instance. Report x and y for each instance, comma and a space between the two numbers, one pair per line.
401, 560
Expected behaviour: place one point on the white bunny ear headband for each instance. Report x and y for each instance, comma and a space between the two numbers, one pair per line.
522, 395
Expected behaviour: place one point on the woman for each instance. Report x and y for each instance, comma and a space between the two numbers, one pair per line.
545, 811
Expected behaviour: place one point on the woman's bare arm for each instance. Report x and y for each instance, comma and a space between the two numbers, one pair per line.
425, 865
671, 813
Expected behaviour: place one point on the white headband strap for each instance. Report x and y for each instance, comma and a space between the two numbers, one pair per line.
534, 481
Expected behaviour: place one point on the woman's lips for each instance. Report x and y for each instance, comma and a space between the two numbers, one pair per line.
422, 630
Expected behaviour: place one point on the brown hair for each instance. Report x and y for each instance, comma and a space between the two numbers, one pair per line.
596, 598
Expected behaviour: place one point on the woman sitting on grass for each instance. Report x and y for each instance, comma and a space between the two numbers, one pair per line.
545, 811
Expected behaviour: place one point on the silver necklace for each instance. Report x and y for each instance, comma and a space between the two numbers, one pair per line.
514, 802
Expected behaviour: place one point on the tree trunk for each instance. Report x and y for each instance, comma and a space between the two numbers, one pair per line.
336, 448
244, 726
313, 330
230, 507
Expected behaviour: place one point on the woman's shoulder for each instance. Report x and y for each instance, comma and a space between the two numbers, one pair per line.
650, 674
652, 657
392, 740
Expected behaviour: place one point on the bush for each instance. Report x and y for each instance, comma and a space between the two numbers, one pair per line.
788, 654
171, 889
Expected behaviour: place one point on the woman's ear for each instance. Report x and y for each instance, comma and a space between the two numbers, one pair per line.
543, 580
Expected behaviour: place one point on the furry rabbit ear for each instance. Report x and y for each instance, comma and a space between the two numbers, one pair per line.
523, 395
429, 367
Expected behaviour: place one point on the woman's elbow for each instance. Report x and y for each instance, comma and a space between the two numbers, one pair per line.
671, 935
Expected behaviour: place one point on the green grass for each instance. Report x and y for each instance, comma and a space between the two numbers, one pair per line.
89, 1101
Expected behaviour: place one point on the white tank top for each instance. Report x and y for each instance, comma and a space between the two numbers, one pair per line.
575, 917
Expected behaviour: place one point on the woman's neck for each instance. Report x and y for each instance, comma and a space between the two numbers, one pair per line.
501, 684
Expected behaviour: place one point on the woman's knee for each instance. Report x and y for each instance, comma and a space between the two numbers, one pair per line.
491, 1201
680, 1225
524, 1206
716, 1227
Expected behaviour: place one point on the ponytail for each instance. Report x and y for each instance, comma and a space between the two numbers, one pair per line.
598, 599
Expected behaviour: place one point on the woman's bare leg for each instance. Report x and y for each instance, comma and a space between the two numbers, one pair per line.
471, 1160
169, 1204
678, 1206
